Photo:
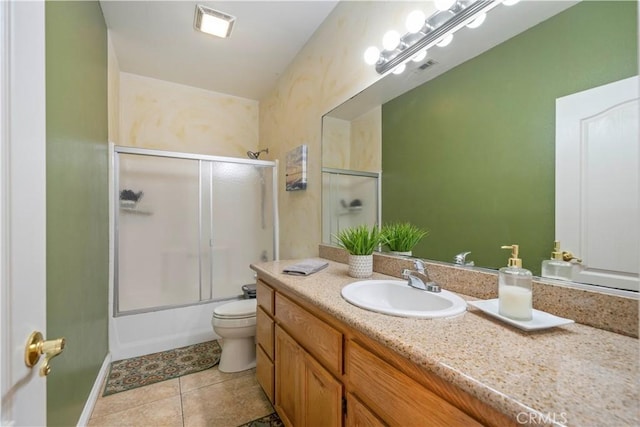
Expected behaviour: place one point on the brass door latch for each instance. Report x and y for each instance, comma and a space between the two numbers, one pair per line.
36, 346
568, 256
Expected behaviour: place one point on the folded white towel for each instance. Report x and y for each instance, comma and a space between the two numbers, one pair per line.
305, 267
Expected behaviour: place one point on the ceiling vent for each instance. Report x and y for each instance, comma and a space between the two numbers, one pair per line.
427, 64
213, 21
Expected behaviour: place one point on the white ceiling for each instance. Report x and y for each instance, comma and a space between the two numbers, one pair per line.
157, 39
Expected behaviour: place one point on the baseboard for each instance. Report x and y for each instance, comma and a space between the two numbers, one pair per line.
95, 392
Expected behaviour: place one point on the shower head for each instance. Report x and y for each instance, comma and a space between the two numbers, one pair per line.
255, 154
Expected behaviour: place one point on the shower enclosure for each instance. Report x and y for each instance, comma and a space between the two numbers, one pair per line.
186, 228
349, 198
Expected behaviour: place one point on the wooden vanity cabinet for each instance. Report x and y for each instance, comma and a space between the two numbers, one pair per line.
318, 371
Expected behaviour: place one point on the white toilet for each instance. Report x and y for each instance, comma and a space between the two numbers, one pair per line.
235, 322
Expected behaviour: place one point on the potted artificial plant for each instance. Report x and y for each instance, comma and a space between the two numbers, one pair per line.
401, 237
360, 242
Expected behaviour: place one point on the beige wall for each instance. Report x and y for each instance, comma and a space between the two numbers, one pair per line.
353, 145
168, 116
336, 140
329, 70
366, 142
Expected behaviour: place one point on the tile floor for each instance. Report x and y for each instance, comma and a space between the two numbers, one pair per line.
207, 398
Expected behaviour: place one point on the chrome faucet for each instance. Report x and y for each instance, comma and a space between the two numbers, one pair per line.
419, 278
461, 259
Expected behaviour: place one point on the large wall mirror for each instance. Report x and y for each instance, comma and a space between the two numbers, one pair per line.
465, 146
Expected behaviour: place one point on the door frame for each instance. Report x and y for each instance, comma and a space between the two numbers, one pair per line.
22, 207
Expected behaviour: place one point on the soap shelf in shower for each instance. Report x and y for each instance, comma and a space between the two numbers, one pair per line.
134, 210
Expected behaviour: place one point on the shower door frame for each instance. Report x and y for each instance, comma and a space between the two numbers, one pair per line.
118, 149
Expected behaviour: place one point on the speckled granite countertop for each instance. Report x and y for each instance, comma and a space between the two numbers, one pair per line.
575, 374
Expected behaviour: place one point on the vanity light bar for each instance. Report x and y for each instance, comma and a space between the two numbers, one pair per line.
411, 44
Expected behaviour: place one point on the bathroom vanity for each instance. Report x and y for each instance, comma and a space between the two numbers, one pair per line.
321, 360
308, 361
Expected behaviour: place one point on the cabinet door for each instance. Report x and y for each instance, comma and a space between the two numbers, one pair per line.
323, 396
289, 367
359, 415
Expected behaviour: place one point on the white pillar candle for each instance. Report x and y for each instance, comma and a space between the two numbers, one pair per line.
515, 302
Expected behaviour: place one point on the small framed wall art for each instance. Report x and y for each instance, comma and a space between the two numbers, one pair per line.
296, 171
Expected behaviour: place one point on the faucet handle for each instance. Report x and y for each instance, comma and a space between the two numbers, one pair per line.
405, 273
419, 265
461, 259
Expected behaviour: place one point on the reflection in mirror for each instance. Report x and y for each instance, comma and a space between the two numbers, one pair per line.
349, 198
470, 154
350, 172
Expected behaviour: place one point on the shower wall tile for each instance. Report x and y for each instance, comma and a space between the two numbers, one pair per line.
168, 116
328, 71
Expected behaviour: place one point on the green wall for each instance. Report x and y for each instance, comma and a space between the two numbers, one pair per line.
470, 155
77, 202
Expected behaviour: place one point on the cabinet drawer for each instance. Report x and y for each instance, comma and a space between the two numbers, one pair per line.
264, 373
396, 398
265, 296
264, 332
319, 339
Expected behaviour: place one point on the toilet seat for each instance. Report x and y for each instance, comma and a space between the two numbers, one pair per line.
236, 310
222, 322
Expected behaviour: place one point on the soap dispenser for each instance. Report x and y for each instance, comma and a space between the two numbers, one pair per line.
557, 267
514, 288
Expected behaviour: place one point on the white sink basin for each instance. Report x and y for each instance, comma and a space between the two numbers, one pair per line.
396, 298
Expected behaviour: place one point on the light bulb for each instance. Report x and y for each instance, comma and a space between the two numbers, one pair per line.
510, 2
399, 69
478, 21
371, 55
445, 41
415, 21
391, 40
444, 4
419, 56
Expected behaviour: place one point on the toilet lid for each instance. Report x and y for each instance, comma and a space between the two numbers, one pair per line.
237, 309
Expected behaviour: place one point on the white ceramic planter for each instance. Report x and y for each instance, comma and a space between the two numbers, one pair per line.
360, 266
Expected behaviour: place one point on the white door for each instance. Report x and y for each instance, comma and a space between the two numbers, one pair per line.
597, 161
22, 208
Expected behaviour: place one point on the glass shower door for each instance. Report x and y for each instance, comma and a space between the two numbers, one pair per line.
188, 228
242, 215
157, 232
